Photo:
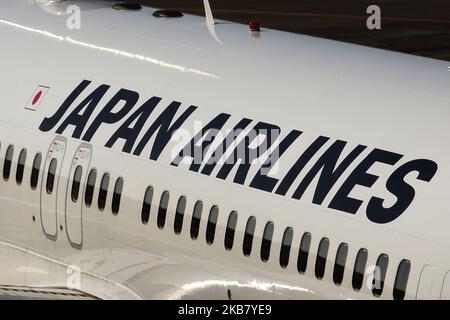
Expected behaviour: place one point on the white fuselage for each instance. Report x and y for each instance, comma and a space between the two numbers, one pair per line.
386, 113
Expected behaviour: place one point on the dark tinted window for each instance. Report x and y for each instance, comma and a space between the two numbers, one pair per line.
162, 211
117, 196
8, 161
21, 166
286, 247
212, 222
266, 241
89, 193
359, 269
76, 183
303, 252
230, 231
35, 170
248, 236
321, 259
401, 280
146, 205
179, 215
103, 192
51, 175
380, 274
196, 218
339, 265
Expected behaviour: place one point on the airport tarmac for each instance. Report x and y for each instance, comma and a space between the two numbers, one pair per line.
411, 26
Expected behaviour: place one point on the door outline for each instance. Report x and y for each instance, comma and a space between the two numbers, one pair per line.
445, 283
426, 280
82, 157
56, 150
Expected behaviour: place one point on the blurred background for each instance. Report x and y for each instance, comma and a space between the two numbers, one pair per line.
420, 27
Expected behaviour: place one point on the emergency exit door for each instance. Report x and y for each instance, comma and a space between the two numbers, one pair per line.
75, 192
49, 186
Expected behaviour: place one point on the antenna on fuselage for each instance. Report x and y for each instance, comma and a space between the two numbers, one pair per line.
210, 21
208, 13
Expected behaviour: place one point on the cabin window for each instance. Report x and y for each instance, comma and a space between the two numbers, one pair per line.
89, 193
230, 231
196, 217
212, 222
339, 265
21, 166
117, 196
8, 161
179, 215
266, 241
401, 279
51, 175
162, 211
303, 252
35, 171
248, 236
359, 269
286, 247
146, 205
380, 274
103, 192
76, 183
321, 258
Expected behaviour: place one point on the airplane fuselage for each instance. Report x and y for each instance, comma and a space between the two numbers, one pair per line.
162, 160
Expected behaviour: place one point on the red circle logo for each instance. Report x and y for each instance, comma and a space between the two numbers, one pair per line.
36, 98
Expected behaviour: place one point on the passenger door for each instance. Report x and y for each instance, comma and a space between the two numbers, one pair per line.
75, 192
49, 185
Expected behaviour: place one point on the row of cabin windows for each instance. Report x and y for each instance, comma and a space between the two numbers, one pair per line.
359, 268
34, 178
102, 193
285, 250
21, 166
90, 186
76, 179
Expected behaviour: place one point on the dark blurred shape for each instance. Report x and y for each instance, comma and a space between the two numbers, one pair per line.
127, 6
167, 13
